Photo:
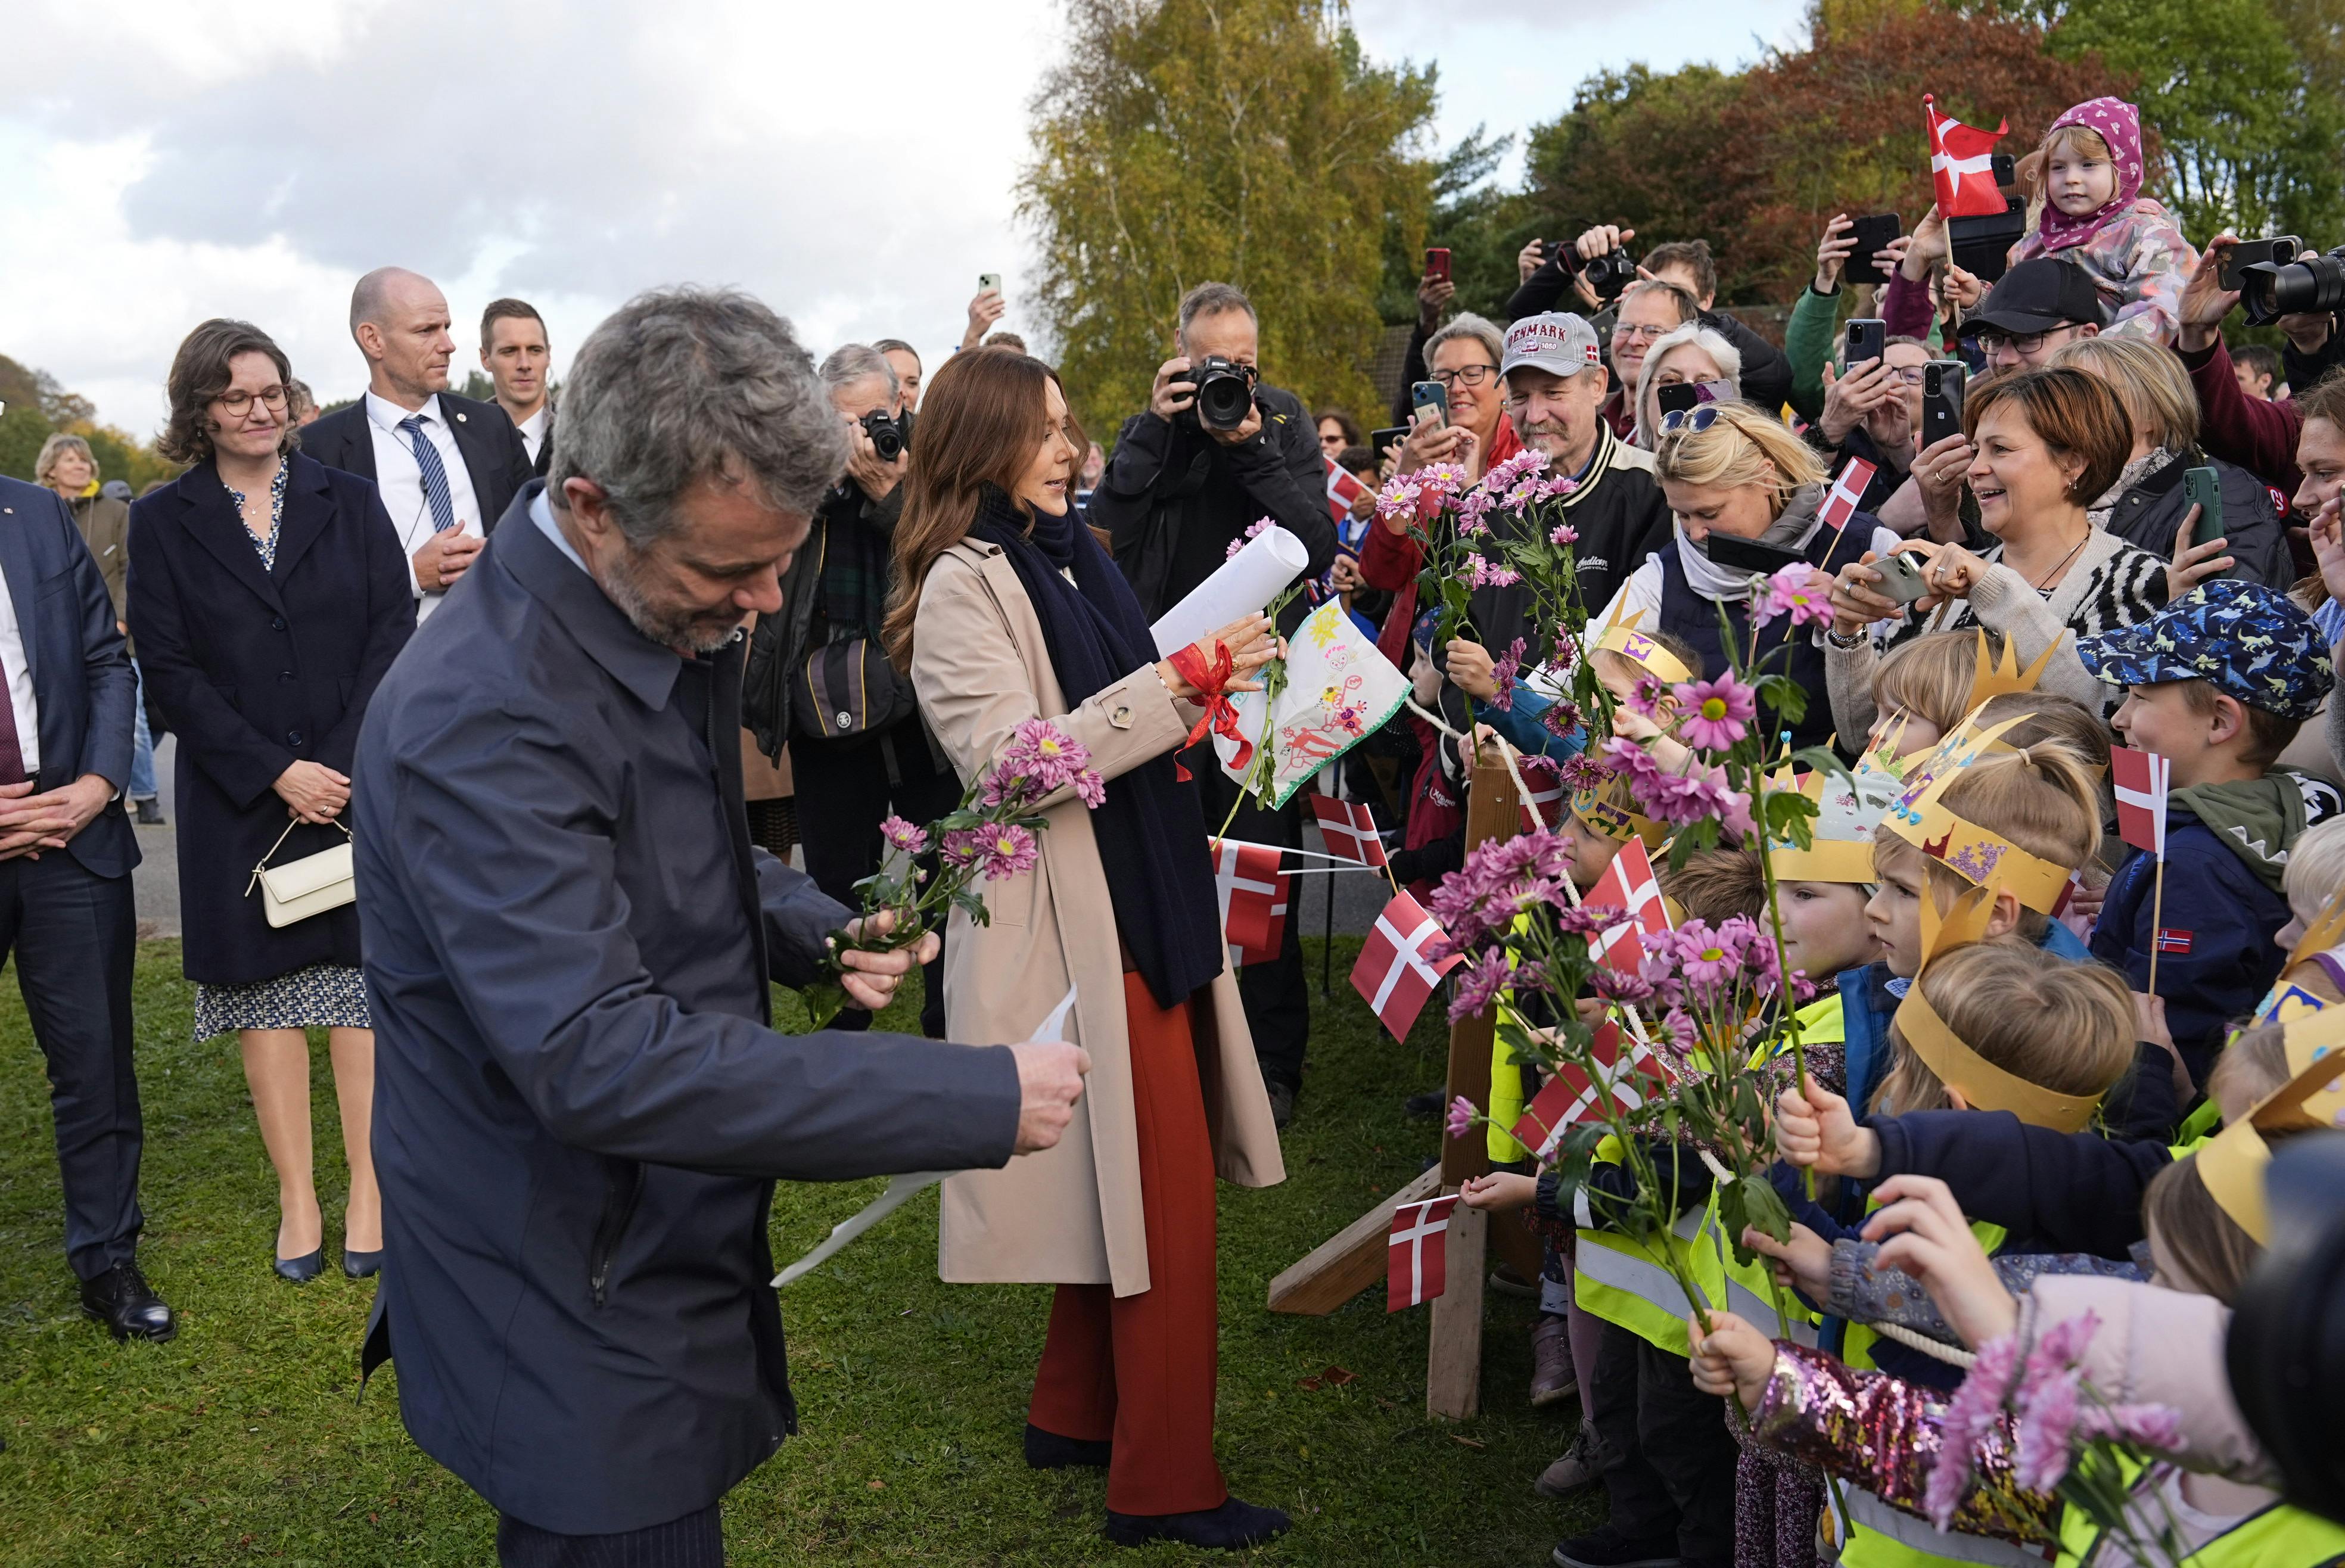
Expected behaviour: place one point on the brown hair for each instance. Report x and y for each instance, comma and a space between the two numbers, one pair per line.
2071, 412
199, 373
2149, 379
508, 311
2324, 399
980, 415
2077, 139
1716, 884
1694, 255
2039, 797
2049, 719
2208, 1251
2268, 733
2067, 1027
1930, 677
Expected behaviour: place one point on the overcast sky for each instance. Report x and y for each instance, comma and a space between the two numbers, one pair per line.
852, 165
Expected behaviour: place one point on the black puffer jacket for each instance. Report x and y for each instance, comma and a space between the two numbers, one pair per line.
2151, 513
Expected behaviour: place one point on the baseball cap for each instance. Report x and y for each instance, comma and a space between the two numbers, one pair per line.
1558, 342
2037, 296
2247, 641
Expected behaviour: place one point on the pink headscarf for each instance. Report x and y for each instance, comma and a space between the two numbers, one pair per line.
2119, 123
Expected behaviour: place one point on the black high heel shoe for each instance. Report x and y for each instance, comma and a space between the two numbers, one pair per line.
361, 1265
302, 1269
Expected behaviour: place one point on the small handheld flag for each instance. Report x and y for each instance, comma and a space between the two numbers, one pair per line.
1393, 973
1349, 828
1855, 476
1629, 884
2143, 780
1962, 165
1417, 1255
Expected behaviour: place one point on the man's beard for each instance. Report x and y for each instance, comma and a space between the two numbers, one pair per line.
698, 632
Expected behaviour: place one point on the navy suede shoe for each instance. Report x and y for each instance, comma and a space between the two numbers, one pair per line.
1232, 1527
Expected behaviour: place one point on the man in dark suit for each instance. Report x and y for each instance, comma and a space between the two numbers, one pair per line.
448, 467
66, 851
519, 358
580, 1108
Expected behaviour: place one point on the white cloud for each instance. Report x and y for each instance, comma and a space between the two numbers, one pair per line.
851, 164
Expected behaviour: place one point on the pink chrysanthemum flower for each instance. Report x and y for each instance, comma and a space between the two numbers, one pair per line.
1714, 715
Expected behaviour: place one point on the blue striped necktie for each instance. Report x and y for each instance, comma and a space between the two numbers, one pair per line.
435, 477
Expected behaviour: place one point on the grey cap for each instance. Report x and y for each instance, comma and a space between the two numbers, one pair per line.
1558, 342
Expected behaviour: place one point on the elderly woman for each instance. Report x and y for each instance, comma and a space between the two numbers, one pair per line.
1006, 610
2148, 505
68, 467
1731, 470
268, 595
1463, 357
1694, 353
2044, 444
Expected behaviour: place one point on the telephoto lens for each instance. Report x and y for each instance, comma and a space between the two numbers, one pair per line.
2309, 285
1224, 393
886, 436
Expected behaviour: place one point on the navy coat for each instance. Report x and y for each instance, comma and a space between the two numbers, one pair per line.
252, 668
82, 679
579, 1108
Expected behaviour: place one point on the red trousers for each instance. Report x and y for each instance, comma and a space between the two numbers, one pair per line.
1140, 1369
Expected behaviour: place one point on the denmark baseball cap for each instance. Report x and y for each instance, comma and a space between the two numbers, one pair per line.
2039, 295
1558, 342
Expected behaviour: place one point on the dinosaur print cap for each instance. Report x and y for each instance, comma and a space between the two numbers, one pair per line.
2247, 641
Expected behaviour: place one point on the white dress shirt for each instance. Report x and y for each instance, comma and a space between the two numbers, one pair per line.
533, 429
19, 676
401, 482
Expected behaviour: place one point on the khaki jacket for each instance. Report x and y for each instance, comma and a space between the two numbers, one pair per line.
1072, 1215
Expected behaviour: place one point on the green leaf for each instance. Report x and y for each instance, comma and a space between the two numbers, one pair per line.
1752, 1202
1786, 696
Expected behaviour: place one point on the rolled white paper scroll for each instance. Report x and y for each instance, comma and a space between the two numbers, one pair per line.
1240, 585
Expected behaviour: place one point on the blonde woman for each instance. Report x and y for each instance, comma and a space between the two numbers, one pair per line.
1006, 610
1732, 471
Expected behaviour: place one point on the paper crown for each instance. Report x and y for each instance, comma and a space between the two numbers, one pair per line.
1883, 759
1994, 679
1622, 637
1610, 811
1982, 1084
1847, 811
1979, 855
2231, 1164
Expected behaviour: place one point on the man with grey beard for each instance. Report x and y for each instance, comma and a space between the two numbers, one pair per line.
579, 1108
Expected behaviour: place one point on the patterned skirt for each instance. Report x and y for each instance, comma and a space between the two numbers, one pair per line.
321, 996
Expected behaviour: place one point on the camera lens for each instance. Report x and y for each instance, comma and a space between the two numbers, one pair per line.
886, 436
1225, 394
2271, 290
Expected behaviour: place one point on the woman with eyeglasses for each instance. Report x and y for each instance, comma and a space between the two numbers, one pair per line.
1691, 354
1474, 433
1734, 475
267, 594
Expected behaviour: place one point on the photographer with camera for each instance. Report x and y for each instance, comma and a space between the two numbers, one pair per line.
817, 681
1217, 450
2270, 439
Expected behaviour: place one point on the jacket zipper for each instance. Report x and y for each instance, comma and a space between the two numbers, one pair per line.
618, 1208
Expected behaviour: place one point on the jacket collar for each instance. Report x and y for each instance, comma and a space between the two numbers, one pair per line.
16, 567
206, 512
644, 668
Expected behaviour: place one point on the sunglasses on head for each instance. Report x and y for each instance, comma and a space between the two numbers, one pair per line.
1699, 418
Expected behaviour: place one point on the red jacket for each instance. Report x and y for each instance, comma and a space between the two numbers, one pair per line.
1391, 561
2259, 436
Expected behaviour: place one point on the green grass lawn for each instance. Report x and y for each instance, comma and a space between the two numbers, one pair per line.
240, 1439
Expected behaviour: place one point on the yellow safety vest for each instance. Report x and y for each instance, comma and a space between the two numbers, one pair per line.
2279, 1536
1627, 1282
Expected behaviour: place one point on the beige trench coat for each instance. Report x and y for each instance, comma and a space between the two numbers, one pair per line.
1071, 1214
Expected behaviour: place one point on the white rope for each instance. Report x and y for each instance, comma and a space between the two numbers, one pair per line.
1953, 1355
1346, 861
1717, 1173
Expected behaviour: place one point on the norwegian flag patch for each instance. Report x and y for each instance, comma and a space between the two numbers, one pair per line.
2170, 940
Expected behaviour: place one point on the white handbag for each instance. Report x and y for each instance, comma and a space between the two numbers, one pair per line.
310, 885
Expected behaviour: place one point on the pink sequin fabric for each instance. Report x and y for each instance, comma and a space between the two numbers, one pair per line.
1881, 1433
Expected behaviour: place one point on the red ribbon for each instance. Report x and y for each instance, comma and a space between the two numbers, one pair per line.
1220, 714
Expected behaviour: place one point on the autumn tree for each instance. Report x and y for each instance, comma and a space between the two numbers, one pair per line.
1244, 141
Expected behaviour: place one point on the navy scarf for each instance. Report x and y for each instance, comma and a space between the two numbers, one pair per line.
1150, 829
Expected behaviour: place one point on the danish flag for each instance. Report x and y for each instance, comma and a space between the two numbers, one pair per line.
1962, 165
1572, 1095
1392, 971
1344, 488
1629, 884
1416, 1256
1542, 807
2142, 779
1350, 829
1846, 492
1253, 891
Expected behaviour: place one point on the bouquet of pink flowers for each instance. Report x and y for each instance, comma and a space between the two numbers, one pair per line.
990, 836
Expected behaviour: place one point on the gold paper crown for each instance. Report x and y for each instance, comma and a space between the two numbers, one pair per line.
1992, 680
1979, 855
1622, 637
2231, 1165
1883, 758
1610, 811
1841, 844
1982, 1084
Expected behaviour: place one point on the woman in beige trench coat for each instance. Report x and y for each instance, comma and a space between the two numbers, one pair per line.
1005, 605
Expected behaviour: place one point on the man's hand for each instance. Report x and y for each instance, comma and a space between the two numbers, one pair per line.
2307, 331
316, 793
871, 979
876, 477
1604, 237
1050, 1082
1432, 294
1530, 259
443, 558
1831, 253
31, 823
2205, 301
1173, 392
1247, 428
1851, 397
983, 312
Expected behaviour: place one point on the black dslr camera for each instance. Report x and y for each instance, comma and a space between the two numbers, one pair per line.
1610, 274
2280, 279
1224, 392
887, 435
